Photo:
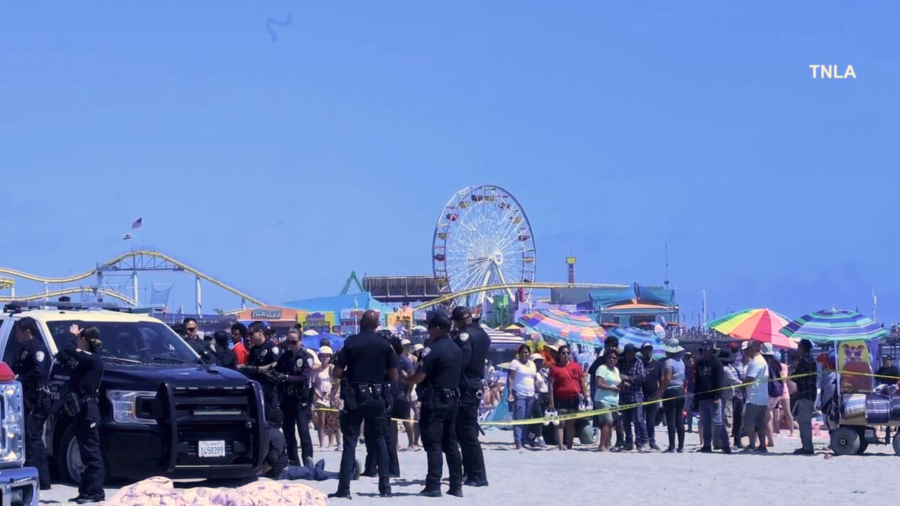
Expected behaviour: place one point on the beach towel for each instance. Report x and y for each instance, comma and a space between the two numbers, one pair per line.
878, 409
854, 405
895, 408
160, 491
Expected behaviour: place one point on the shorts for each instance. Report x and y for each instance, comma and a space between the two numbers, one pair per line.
606, 418
755, 416
773, 402
564, 406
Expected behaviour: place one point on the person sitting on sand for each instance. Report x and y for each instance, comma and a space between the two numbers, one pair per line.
277, 464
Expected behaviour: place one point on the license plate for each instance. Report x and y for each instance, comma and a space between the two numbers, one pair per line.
17, 496
211, 449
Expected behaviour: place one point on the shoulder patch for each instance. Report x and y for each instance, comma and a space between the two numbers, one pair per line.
39, 356
425, 352
275, 350
464, 336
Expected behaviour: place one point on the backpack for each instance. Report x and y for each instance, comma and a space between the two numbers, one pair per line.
776, 386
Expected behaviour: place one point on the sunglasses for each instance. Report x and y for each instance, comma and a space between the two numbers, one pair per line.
291, 341
564, 353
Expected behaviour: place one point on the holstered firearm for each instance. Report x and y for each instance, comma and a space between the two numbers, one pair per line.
348, 395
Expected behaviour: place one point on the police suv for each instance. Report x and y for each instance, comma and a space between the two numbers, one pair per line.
18, 484
163, 412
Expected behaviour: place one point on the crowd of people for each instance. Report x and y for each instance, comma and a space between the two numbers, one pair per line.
738, 393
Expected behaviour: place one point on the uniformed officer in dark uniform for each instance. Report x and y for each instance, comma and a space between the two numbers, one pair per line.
83, 405
362, 365
32, 369
294, 368
474, 343
261, 363
439, 372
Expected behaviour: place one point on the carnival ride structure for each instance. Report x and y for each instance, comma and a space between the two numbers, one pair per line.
483, 239
129, 263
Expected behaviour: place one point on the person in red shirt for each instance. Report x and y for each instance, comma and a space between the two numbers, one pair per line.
566, 391
238, 336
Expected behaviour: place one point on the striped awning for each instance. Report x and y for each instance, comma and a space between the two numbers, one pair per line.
500, 338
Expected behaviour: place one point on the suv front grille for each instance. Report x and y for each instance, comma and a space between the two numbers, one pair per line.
229, 415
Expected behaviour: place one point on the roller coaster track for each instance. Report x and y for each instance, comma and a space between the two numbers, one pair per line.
508, 286
69, 291
145, 259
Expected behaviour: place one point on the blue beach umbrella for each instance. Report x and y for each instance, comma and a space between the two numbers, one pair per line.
834, 325
638, 337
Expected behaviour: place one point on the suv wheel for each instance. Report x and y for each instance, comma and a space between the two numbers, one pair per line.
69, 457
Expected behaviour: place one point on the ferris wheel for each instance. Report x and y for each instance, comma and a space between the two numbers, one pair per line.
483, 238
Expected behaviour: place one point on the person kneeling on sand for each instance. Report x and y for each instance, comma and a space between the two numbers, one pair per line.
277, 464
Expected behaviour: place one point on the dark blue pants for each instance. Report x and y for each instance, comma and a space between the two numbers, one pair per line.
439, 422
306, 473
297, 414
35, 451
634, 417
467, 434
370, 411
87, 432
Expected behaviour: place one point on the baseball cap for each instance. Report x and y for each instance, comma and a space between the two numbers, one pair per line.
419, 346
439, 320
325, 350
630, 347
536, 356
405, 342
767, 349
646, 345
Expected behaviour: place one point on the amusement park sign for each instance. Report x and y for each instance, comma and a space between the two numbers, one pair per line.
266, 314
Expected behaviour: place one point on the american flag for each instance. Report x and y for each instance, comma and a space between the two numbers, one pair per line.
138, 223
127, 236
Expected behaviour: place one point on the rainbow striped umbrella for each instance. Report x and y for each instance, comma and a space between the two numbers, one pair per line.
762, 325
834, 325
567, 326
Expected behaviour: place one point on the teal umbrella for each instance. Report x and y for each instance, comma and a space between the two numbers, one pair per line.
834, 325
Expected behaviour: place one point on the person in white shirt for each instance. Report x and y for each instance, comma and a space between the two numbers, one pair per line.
522, 372
757, 404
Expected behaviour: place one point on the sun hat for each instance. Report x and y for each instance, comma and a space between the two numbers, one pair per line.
672, 346
325, 350
536, 356
726, 356
767, 349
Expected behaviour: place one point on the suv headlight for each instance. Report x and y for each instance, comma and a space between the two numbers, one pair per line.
12, 426
124, 406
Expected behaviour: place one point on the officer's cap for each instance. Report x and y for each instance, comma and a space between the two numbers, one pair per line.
439, 320
461, 313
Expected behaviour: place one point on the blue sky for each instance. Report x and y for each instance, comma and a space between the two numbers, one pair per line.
280, 166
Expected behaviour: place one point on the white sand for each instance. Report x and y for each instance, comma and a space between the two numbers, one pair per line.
584, 477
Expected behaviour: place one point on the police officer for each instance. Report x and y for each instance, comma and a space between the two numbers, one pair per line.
371, 456
474, 343
82, 404
439, 372
261, 363
32, 369
295, 367
362, 365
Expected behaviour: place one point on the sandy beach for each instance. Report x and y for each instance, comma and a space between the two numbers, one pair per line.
583, 477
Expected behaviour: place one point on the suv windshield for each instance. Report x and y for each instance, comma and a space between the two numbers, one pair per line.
144, 342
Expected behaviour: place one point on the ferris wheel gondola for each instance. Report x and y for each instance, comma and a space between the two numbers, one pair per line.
483, 238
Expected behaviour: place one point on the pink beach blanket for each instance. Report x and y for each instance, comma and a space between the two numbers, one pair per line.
159, 491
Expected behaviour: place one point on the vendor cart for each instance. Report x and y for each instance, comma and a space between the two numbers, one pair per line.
855, 415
